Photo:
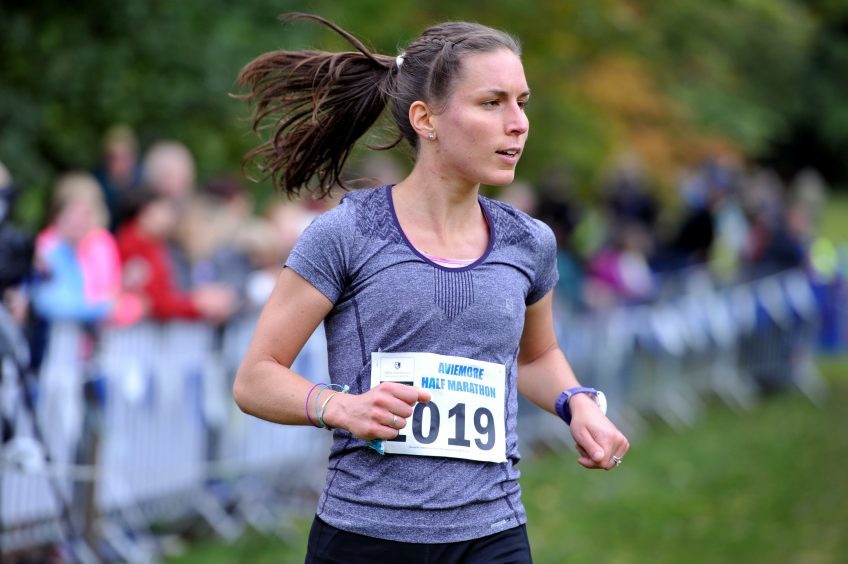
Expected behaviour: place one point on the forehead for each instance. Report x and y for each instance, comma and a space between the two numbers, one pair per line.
499, 70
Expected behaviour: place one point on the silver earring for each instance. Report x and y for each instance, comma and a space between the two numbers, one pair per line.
431, 135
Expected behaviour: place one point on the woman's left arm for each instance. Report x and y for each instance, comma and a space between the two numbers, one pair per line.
544, 373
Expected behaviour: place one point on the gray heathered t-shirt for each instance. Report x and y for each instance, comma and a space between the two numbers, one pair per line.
389, 298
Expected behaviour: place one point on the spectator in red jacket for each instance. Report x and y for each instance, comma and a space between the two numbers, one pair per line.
142, 243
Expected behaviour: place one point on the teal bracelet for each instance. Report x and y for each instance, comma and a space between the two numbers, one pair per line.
319, 414
312, 389
317, 399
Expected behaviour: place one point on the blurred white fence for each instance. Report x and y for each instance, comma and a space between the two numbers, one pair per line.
135, 431
666, 359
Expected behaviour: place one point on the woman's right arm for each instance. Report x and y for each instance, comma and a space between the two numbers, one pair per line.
267, 388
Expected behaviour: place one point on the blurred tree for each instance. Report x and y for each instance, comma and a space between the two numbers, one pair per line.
165, 68
671, 80
817, 135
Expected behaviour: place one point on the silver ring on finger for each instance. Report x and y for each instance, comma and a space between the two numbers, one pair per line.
394, 421
617, 460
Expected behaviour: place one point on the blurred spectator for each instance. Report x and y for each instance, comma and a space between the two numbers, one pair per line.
692, 240
809, 196
169, 171
119, 171
263, 256
557, 208
16, 251
77, 259
731, 228
264, 245
628, 196
227, 204
215, 225
619, 273
228, 192
521, 196
288, 219
776, 246
774, 242
147, 267
810, 190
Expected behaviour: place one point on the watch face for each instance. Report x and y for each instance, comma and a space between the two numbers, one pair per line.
601, 400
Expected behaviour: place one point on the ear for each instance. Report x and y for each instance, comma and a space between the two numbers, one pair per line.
421, 119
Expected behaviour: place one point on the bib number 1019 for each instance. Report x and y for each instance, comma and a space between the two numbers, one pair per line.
484, 424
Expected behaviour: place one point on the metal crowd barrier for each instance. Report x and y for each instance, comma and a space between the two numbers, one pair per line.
663, 361
122, 437
138, 430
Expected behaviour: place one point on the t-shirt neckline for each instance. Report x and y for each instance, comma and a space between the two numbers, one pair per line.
411, 247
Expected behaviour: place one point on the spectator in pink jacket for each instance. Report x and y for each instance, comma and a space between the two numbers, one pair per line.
77, 259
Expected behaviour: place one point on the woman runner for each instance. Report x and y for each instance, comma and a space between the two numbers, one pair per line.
423, 282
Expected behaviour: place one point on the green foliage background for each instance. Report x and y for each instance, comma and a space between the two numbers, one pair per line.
674, 80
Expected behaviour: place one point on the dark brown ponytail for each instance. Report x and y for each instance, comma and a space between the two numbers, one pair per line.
317, 104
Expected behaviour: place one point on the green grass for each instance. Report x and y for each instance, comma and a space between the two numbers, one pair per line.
251, 548
768, 485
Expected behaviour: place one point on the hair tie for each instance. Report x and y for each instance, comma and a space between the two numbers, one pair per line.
399, 59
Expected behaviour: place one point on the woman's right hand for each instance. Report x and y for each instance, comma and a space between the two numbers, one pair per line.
379, 413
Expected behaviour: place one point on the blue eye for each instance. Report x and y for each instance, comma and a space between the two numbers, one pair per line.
490, 103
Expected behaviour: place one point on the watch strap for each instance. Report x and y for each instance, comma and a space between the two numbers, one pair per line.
561, 404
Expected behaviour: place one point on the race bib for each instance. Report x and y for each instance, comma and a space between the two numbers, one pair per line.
465, 416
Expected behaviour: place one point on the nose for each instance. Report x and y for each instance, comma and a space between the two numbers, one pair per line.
517, 122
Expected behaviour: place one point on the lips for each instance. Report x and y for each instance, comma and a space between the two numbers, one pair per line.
510, 152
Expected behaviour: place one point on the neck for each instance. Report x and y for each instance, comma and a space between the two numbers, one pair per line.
440, 216
432, 201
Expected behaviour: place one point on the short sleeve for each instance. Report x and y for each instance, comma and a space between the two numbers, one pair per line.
321, 256
546, 273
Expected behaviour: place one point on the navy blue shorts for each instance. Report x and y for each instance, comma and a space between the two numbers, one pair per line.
327, 545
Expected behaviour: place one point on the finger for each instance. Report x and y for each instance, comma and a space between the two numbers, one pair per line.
409, 394
584, 459
619, 450
387, 433
423, 396
388, 419
622, 445
617, 456
394, 406
588, 463
394, 421
594, 450
382, 429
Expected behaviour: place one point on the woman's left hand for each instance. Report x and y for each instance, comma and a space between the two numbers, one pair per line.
600, 444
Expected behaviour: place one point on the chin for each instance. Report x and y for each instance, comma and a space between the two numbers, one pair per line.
502, 179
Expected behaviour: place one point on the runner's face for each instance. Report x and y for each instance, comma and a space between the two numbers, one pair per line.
482, 131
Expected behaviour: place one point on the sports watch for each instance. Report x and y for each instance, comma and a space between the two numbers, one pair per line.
564, 411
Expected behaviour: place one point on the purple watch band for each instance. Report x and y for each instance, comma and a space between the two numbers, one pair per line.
561, 404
